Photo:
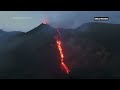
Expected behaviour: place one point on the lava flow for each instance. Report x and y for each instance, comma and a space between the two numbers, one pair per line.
59, 46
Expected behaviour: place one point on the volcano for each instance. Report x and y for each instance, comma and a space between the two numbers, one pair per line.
90, 51
33, 55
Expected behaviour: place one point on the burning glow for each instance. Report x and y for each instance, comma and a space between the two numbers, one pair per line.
60, 49
62, 57
66, 68
45, 21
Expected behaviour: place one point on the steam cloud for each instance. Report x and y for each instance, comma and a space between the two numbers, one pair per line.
62, 19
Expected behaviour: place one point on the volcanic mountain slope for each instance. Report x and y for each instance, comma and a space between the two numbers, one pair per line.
96, 49
8, 35
32, 55
7, 38
91, 51
38, 53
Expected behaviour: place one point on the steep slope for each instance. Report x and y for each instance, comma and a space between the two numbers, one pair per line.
91, 51
35, 55
95, 47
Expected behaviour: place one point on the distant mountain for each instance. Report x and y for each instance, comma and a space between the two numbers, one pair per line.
9, 35
100, 44
1, 31
91, 51
104, 33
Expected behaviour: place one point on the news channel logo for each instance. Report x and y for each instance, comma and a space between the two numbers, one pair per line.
101, 18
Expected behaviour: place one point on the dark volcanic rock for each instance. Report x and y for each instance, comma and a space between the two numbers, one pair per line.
91, 51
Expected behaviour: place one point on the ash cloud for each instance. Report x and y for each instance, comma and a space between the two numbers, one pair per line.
62, 19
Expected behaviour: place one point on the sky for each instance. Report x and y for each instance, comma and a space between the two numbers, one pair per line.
27, 20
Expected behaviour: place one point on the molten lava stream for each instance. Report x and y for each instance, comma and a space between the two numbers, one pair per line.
62, 57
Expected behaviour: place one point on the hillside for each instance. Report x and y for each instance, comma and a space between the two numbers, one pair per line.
91, 51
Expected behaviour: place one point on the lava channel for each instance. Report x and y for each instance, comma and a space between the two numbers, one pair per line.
59, 46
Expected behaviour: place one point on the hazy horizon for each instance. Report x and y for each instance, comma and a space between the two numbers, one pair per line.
27, 20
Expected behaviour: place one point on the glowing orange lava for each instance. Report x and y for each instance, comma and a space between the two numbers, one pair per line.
65, 67
62, 57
